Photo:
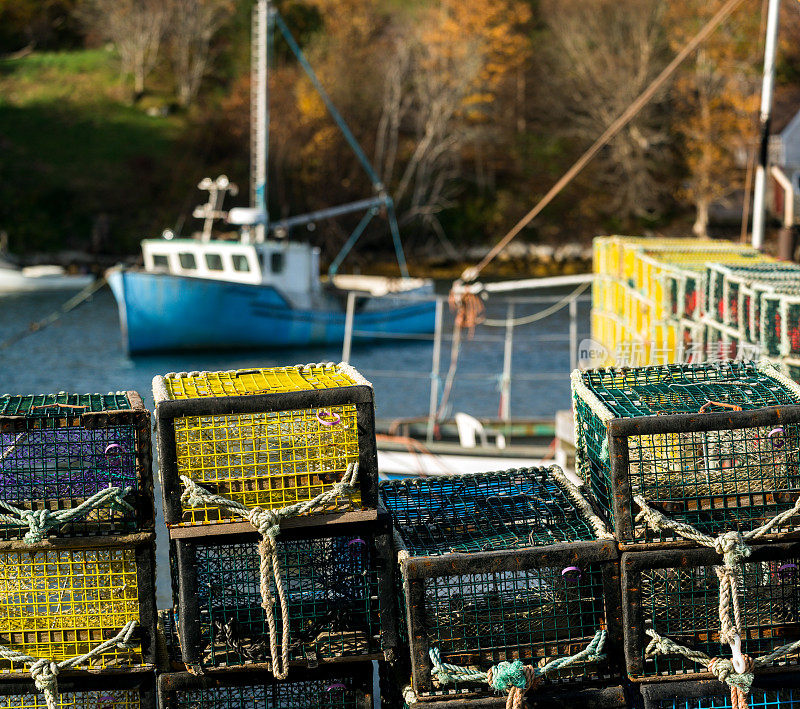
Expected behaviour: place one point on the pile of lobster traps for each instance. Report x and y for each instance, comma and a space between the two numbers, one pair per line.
697, 469
280, 558
77, 548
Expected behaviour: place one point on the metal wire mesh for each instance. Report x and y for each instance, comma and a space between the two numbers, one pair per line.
338, 692
59, 604
60, 467
545, 612
714, 479
683, 604
757, 699
267, 460
90, 699
332, 589
468, 513
257, 381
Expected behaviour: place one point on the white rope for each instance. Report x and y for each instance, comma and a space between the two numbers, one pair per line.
733, 548
267, 522
39, 522
45, 672
599, 527
542, 314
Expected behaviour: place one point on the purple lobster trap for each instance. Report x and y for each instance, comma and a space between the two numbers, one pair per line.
74, 465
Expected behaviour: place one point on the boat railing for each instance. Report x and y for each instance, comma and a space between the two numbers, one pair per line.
445, 331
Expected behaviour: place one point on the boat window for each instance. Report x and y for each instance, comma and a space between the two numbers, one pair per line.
187, 261
240, 262
160, 261
276, 261
214, 262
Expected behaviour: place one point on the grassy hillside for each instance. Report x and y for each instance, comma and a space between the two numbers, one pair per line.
72, 148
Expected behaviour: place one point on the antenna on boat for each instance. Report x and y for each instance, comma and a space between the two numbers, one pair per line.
263, 31
211, 210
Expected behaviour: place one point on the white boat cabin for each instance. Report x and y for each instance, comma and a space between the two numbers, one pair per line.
287, 266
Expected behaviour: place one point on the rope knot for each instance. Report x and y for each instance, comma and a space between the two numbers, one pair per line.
265, 521
722, 668
506, 675
732, 548
37, 525
45, 675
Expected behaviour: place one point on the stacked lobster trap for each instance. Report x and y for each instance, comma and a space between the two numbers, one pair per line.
280, 557
77, 549
511, 571
697, 468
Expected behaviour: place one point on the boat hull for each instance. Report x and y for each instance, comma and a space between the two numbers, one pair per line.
17, 282
162, 312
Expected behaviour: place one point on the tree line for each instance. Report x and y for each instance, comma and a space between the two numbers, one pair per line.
469, 109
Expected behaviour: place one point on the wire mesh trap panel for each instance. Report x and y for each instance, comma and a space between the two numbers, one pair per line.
170, 649
348, 686
500, 568
58, 450
676, 593
338, 590
265, 437
715, 445
614, 697
128, 691
768, 692
58, 602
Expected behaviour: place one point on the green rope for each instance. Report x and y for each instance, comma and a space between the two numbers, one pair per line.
506, 675
39, 522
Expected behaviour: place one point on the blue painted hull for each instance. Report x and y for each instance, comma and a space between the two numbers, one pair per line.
161, 312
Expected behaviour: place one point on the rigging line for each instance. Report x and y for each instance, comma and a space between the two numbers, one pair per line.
71, 304
542, 314
471, 273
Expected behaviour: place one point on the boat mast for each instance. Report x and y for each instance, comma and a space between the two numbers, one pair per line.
759, 191
262, 29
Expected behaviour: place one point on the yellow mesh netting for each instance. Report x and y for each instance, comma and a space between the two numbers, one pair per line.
60, 604
268, 460
256, 381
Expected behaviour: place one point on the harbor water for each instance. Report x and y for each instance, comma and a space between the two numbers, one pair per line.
82, 352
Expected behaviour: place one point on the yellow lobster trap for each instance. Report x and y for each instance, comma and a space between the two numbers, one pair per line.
62, 599
120, 691
266, 437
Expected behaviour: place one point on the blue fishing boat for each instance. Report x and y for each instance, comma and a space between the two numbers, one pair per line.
225, 294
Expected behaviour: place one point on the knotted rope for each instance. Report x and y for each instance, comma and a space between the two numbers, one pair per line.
45, 672
267, 523
733, 547
722, 668
39, 522
514, 677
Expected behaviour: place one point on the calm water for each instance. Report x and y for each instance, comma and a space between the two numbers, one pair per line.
82, 352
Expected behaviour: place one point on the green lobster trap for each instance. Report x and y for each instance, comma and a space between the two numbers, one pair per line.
60, 600
729, 290
338, 585
265, 438
122, 691
499, 567
767, 692
676, 593
347, 686
715, 445
780, 324
74, 464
